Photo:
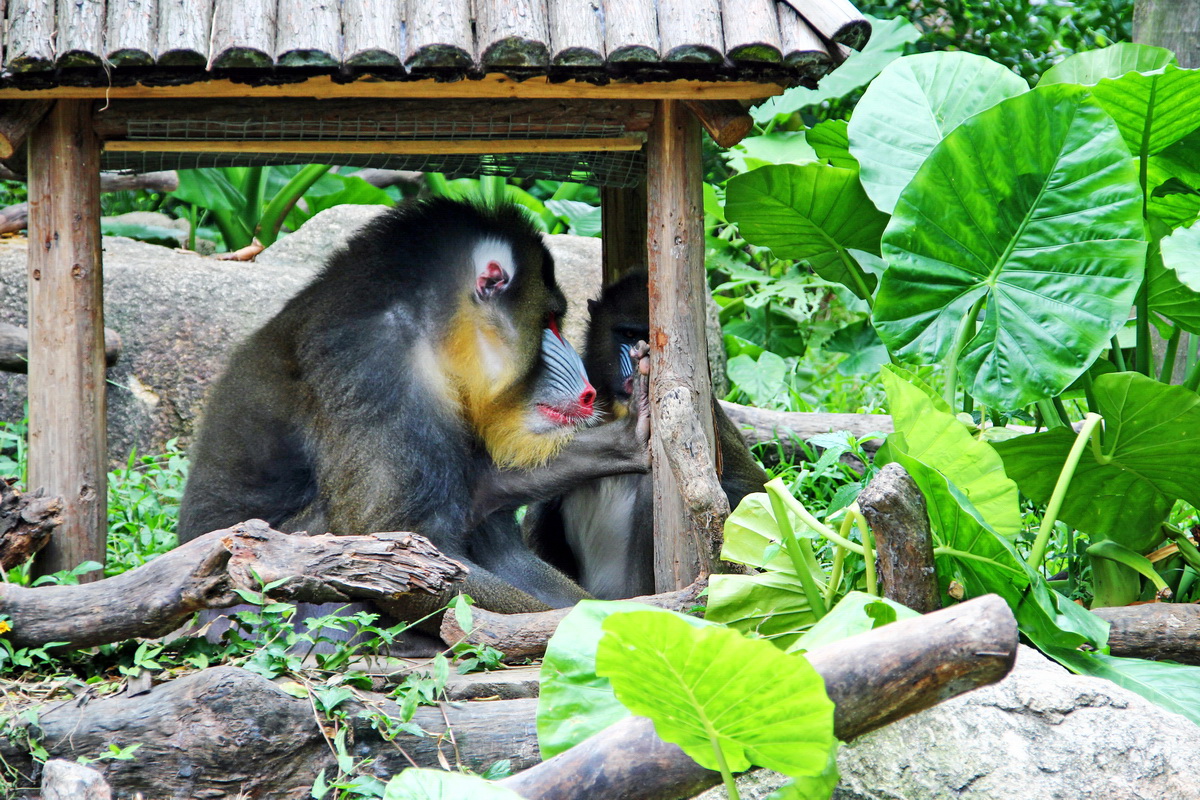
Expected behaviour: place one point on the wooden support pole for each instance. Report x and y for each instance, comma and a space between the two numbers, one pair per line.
689, 506
67, 444
623, 231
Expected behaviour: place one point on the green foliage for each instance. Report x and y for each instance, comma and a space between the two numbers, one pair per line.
143, 507
431, 784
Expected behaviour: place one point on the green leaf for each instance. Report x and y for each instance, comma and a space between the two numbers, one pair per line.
831, 142
889, 37
1173, 686
583, 218
810, 787
433, 784
763, 379
812, 212
1173, 281
1179, 166
1035, 207
1123, 555
760, 705
771, 605
911, 107
857, 612
573, 703
1152, 100
933, 436
865, 354
1092, 66
1151, 452
208, 188
152, 234
777, 147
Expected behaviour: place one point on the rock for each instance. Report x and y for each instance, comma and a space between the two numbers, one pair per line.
155, 219
67, 780
310, 246
1040, 733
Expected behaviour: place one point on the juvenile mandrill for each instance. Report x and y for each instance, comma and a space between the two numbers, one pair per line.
421, 370
602, 532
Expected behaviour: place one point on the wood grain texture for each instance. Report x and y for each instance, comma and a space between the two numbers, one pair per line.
802, 47
373, 33
26, 521
751, 29
630, 32
895, 509
382, 146
439, 35
14, 345
836, 20
512, 33
183, 31
29, 43
689, 31
308, 33
243, 34
67, 445
1159, 631
80, 34
689, 504
622, 231
576, 33
129, 35
17, 120
725, 120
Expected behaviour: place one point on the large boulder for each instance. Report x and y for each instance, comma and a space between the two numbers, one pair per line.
180, 314
1040, 733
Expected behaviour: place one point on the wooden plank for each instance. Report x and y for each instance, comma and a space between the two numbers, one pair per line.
490, 86
630, 31
576, 34
80, 40
30, 41
373, 33
243, 34
398, 119
183, 31
836, 20
751, 29
308, 33
384, 147
690, 31
439, 35
802, 47
622, 231
130, 37
511, 33
689, 505
66, 334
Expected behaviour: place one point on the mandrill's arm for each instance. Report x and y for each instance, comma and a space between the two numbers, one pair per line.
614, 448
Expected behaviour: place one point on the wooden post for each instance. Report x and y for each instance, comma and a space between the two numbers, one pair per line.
67, 444
689, 506
623, 231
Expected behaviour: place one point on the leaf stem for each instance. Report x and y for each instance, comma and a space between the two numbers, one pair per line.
856, 273
853, 514
1168, 365
727, 776
1038, 554
796, 547
1116, 354
966, 331
835, 574
808, 519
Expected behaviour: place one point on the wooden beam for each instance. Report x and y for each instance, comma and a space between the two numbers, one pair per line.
725, 120
373, 146
492, 85
622, 231
17, 119
689, 505
67, 445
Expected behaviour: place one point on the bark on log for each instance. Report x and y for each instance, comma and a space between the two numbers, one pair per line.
759, 425
1168, 631
229, 733
67, 780
725, 120
895, 509
158, 596
26, 522
873, 678
15, 217
14, 346
522, 636
18, 118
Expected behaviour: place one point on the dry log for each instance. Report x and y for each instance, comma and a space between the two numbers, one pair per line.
26, 522
895, 509
522, 636
15, 217
229, 733
67, 780
759, 426
158, 596
725, 120
14, 345
874, 678
1169, 631
17, 119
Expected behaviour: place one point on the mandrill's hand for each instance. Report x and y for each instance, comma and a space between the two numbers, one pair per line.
639, 392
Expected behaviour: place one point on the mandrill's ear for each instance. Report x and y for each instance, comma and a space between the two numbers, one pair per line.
494, 266
592, 306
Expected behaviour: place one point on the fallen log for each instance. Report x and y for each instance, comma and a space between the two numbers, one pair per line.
522, 636
26, 522
14, 345
762, 426
224, 731
1167, 631
15, 217
895, 510
873, 678
158, 596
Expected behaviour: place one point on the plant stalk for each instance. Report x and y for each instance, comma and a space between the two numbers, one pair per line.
796, 546
1168, 366
1038, 554
966, 331
808, 519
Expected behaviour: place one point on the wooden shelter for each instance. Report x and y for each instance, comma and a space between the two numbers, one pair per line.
608, 91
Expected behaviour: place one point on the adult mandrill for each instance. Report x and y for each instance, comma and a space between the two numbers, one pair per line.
421, 369
602, 531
